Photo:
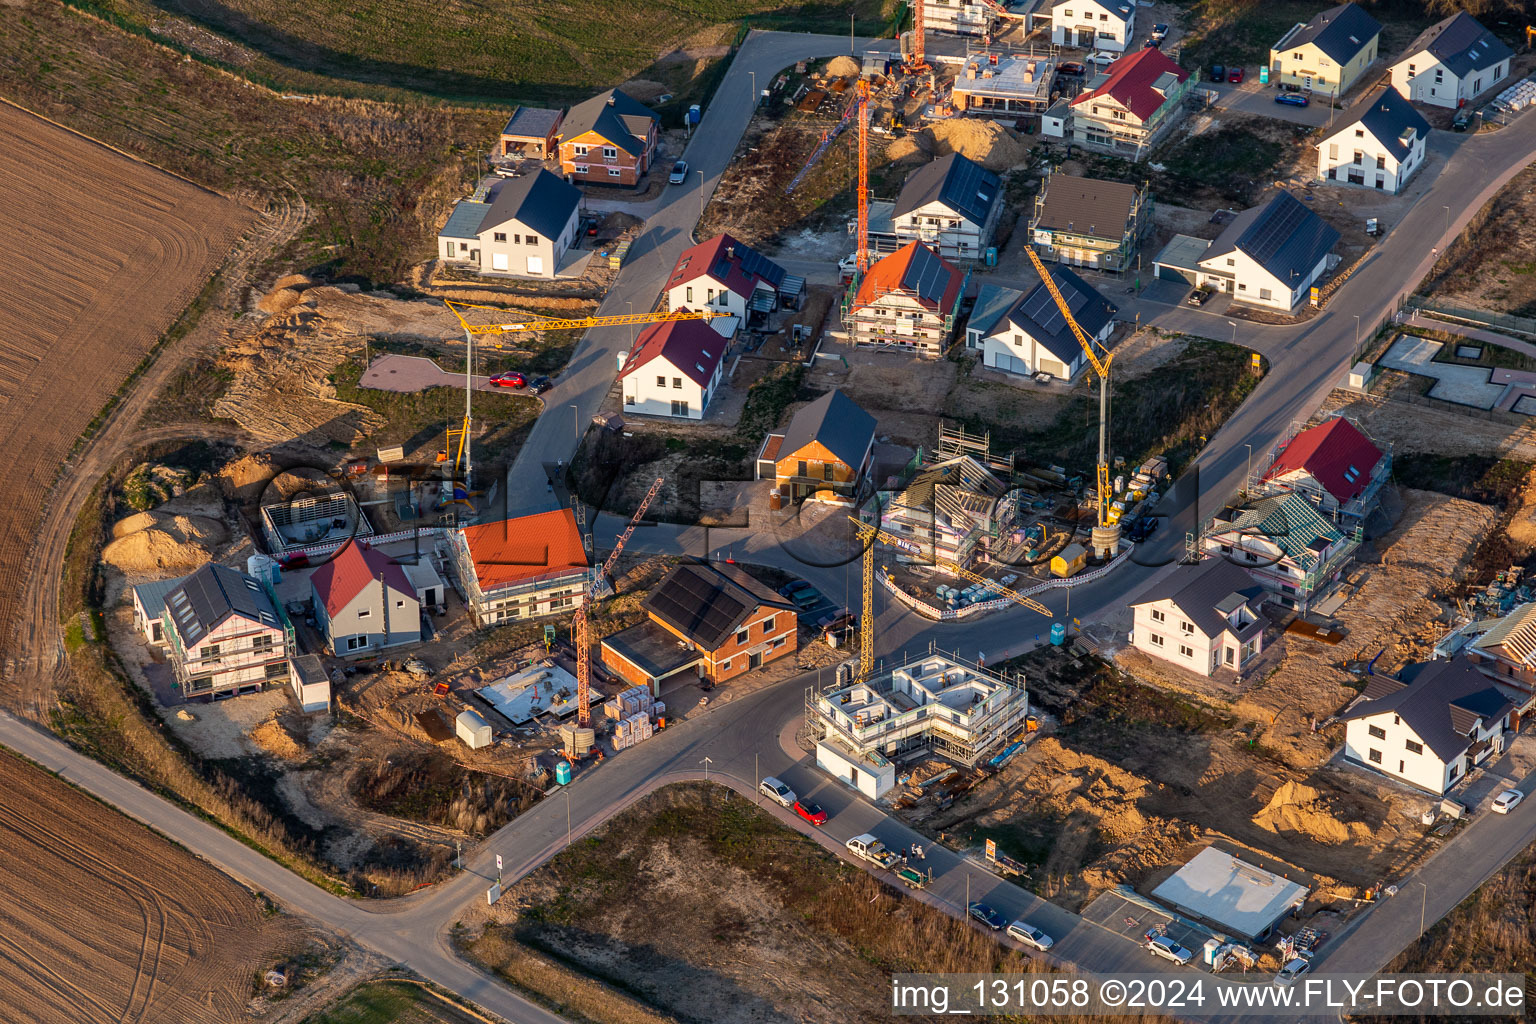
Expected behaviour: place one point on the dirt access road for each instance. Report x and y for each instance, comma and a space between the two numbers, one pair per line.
155, 934
72, 302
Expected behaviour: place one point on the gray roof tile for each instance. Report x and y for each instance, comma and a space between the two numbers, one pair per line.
1282, 236
1462, 44
1440, 701
960, 184
837, 422
540, 201
1340, 32
1390, 118
1201, 589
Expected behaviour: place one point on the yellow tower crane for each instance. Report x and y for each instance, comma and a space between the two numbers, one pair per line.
531, 322
868, 535
1106, 534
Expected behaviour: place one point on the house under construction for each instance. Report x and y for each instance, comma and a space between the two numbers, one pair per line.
994, 85
956, 510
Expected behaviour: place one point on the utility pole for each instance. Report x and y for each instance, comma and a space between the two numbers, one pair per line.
1249, 474
1357, 334
757, 794
1423, 907
469, 386
576, 418
701, 195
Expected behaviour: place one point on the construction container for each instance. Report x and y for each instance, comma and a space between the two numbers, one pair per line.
1069, 561
577, 740
473, 730
563, 772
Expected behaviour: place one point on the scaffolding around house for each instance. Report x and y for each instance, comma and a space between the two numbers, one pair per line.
1356, 510
955, 440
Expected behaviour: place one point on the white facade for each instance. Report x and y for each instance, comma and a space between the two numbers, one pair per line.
658, 388
1389, 745
516, 249
1423, 79
1353, 155
872, 775
1162, 630
962, 17
1246, 280
704, 292
239, 653
950, 232
1093, 24
1012, 349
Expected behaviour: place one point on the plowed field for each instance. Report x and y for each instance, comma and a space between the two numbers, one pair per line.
104, 921
98, 255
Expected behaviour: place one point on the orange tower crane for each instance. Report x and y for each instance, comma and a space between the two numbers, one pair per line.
583, 628
918, 61
863, 189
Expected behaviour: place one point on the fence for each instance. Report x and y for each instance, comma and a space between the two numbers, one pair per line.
1483, 318
922, 607
374, 540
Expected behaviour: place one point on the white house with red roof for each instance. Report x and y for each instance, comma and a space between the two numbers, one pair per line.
907, 300
364, 601
1333, 465
1131, 107
726, 276
674, 369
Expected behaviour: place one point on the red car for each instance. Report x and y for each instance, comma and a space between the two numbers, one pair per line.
510, 379
1235, 75
811, 812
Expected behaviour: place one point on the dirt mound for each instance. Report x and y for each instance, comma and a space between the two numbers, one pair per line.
906, 149
841, 66
245, 479
988, 143
153, 541
644, 89
1299, 808
274, 739
298, 282
279, 300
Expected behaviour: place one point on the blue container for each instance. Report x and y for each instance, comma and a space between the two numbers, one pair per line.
1058, 637
563, 772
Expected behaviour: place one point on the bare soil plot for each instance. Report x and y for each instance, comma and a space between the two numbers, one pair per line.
1415, 427
1492, 265
104, 921
102, 254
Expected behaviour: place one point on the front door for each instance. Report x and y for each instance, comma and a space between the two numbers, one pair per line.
755, 660
1085, 38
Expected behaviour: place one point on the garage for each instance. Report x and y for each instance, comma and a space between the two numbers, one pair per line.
1179, 260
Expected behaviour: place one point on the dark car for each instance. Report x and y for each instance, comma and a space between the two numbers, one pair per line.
811, 812
839, 622
807, 599
1199, 297
510, 379
1159, 32
1072, 68
792, 588
1462, 120
1141, 529
1152, 44
987, 916
1234, 75
1218, 73
541, 385
1292, 99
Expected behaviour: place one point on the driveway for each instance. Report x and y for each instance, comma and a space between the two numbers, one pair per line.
1249, 97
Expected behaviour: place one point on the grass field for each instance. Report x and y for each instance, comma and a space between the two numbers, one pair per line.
392, 1002
1241, 32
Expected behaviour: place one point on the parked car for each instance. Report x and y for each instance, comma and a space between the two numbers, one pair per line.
1292, 970
1030, 935
1141, 529
1462, 120
837, 621
1152, 44
806, 599
794, 587
1218, 73
1200, 296
510, 379
539, 385
1072, 69
1234, 75
1293, 99
679, 172
847, 266
811, 812
987, 916
1159, 32
1507, 801
1163, 946
1102, 59
776, 791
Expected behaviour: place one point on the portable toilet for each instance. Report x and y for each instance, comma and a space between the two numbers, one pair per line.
473, 730
1058, 634
1263, 74
1069, 561
563, 772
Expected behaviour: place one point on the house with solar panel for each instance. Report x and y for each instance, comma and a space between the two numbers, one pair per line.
908, 300
1024, 333
1270, 255
952, 204
1132, 106
1380, 145
1286, 545
673, 370
520, 227
723, 275
224, 634
1451, 62
1327, 54
708, 621
364, 602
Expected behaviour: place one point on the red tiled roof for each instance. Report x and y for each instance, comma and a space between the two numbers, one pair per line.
524, 549
724, 260
1131, 79
1328, 452
692, 346
354, 566
917, 270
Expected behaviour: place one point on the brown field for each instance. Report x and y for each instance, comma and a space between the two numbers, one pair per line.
105, 921
101, 254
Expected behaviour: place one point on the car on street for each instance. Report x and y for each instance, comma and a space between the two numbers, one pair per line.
1292, 970
848, 265
1163, 946
1141, 529
1072, 69
1152, 44
987, 916
811, 812
1029, 935
1200, 296
1101, 59
1235, 75
539, 385
1159, 32
794, 587
1292, 99
776, 791
837, 620
510, 379
1507, 801
1218, 73
679, 173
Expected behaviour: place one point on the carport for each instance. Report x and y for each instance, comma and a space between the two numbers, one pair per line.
1180, 259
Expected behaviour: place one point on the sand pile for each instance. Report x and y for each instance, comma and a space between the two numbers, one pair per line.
841, 66
988, 143
245, 479
153, 541
907, 149
279, 300
1302, 809
274, 739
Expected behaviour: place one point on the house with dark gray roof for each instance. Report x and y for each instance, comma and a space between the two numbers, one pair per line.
1327, 54
1202, 617
519, 227
1451, 62
532, 132
824, 454
1270, 255
1430, 725
713, 618
952, 204
1085, 222
1284, 543
1023, 332
609, 139
1379, 144
225, 634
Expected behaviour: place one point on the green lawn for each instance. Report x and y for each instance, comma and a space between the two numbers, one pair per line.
390, 1002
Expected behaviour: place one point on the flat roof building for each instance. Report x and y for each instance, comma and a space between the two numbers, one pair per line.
1006, 87
1232, 894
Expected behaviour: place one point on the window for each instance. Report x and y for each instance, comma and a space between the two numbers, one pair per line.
610, 153
1157, 641
1359, 133
1119, 115
725, 666
211, 651
1455, 770
363, 613
661, 382
711, 295
1188, 627
1231, 262
262, 643
826, 471
1242, 287
1439, 75
1381, 163
688, 294
1359, 157
677, 382
768, 624
1414, 748
500, 236
463, 247
399, 604
1158, 616
1265, 294
679, 407
579, 150
615, 172
1231, 655
356, 642
742, 636
1377, 732
1333, 151
530, 239
1397, 719
1187, 652
781, 641
1375, 756
580, 168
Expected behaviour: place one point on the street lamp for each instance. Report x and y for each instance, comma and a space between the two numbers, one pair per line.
1233, 324
632, 327
1447, 210
706, 763
1423, 907
754, 88
701, 195
1249, 474
1357, 333
576, 421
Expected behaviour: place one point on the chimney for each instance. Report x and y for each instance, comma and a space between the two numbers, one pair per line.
612, 100
730, 252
